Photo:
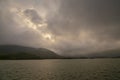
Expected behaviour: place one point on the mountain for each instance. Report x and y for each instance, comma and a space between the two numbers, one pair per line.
21, 52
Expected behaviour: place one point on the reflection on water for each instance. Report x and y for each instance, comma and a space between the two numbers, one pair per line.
74, 69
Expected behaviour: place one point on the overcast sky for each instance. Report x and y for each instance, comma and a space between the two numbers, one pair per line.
68, 27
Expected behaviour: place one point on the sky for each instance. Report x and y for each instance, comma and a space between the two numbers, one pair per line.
67, 27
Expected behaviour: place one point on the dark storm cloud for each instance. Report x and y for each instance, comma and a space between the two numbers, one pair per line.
103, 16
78, 26
33, 15
99, 17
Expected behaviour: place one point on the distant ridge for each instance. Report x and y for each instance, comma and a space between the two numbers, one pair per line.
113, 53
16, 52
22, 52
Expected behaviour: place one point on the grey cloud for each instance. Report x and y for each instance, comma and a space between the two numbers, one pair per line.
78, 26
13, 33
99, 17
33, 15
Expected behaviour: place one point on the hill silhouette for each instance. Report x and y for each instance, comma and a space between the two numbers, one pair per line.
21, 52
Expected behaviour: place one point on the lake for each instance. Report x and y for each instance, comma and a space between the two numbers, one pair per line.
60, 69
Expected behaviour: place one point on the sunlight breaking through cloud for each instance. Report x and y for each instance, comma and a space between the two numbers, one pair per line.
68, 27
40, 28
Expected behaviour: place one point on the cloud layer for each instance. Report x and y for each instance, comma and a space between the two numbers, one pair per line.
68, 27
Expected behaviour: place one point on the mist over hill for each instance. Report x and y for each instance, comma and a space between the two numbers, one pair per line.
21, 52
113, 53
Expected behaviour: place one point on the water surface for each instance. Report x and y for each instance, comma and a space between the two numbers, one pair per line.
60, 69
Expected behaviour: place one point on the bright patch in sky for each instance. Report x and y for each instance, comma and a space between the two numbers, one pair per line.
40, 28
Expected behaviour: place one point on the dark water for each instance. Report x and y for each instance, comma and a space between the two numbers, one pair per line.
74, 69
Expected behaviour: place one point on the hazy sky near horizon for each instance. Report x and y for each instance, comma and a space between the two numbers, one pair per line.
68, 27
